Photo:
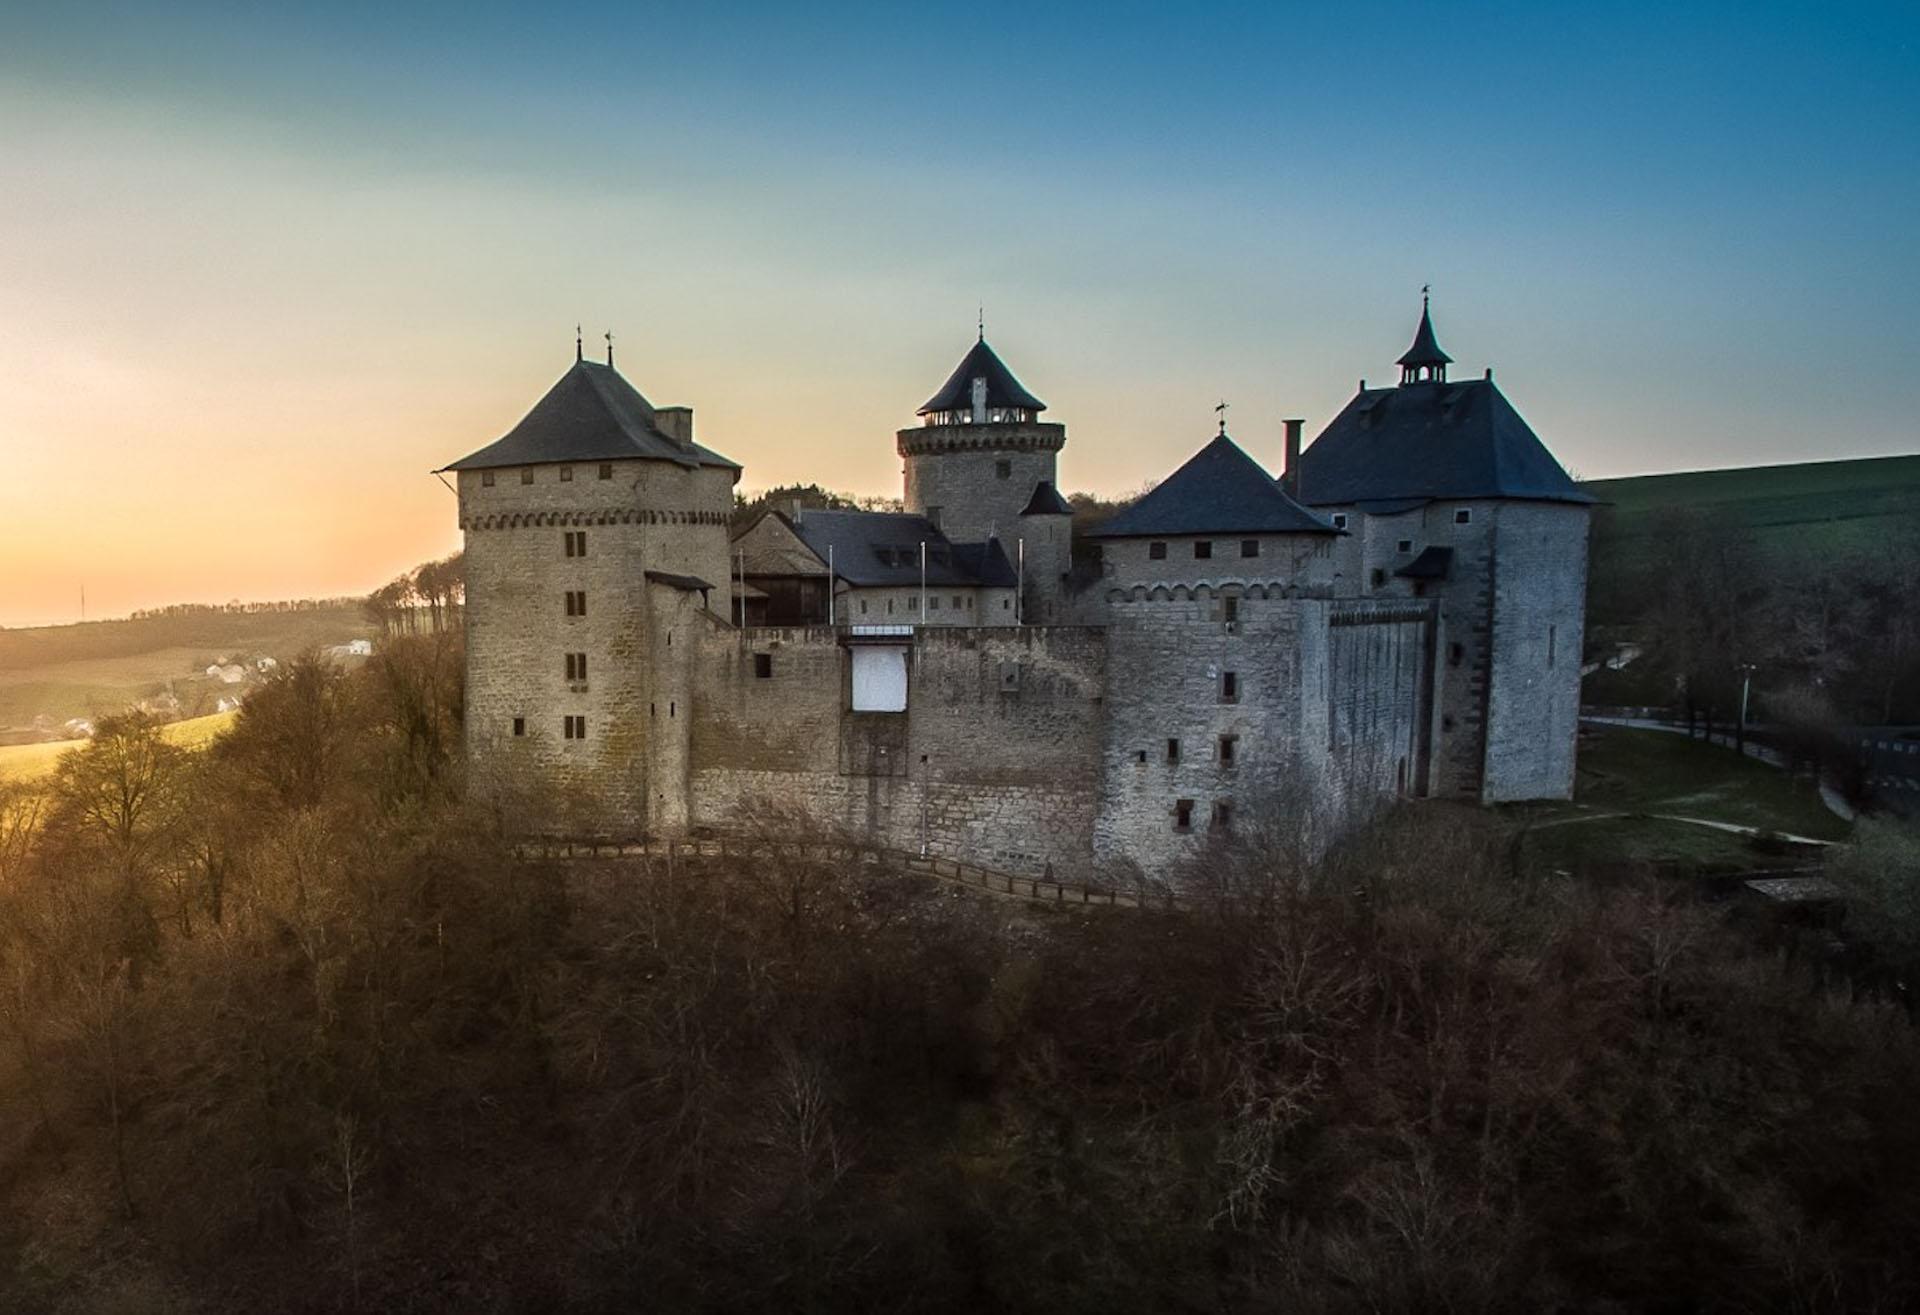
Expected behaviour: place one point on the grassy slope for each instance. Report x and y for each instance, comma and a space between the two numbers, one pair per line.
1642, 773
30, 762
101, 666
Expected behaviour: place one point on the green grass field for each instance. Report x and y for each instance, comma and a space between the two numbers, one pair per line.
63, 672
1639, 775
32, 762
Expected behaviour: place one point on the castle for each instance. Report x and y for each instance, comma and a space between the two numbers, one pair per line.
1400, 613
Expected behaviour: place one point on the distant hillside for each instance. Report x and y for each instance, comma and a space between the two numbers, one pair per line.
1818, 509
53, 673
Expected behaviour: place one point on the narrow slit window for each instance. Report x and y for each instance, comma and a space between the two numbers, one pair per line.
1228, 744
1222, 814
1183, 815
763, 666
1173, 751
1229, 687
519, 725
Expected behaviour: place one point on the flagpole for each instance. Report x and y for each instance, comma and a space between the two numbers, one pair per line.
830, 580
923, 582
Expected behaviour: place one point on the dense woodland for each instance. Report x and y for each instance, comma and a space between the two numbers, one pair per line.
284, 1026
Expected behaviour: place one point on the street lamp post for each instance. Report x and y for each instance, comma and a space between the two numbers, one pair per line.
1746, 683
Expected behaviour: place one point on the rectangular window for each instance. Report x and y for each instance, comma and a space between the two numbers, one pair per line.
1228, 743
575, 728
1003, 470
1222, 814
1157, 551
1230, 610
1249, 547
1229, 687
1183, 815
1405, 545
933, 602
519, 725
576, 543
1339, 520
1173, 751
763, 666
577, 667
1550, 643
576, 602
1463, 515
606, 470
566, 474
486, 479
1203, 549
526, 475
1454, 654
863, 606
1379, 578
956, 602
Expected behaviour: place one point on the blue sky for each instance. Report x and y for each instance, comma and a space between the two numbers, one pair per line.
305, 256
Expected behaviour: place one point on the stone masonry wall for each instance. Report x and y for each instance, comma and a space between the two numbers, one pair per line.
956, 468
995, 760
1539, 618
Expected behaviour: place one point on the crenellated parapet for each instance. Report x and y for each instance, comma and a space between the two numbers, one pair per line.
605, 516
940, 440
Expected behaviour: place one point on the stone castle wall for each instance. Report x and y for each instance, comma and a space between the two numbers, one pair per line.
956, 469
1539, 620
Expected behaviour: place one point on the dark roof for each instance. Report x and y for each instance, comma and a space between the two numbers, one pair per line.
1003, 390
592, 414
690, 583
873, 548
1046, 501
1433, 563
1426, 348
1221, 490
1453, 440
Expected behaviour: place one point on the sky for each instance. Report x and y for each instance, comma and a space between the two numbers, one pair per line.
263, 270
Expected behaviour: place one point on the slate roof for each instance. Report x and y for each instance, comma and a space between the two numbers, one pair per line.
1431, 440
1221, 490
688, 583
1003, 390
592, 414
1433, 563
1046, 501
1426, 348
873, 548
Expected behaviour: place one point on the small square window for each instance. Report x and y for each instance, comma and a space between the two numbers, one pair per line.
566, 474
1339, 520
1228, 743
1173, 751
1003, 470
763, 666
1157, 551
486, 479
1183, 815
1405, 546
1140, 755
1249, 547
526, 475
606, 470
1203, 549
1229, 687
1463, 515
519, 725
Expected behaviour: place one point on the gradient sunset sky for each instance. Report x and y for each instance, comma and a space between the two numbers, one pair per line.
261, 272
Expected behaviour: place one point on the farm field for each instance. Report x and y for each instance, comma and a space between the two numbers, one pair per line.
31, 762
62, 672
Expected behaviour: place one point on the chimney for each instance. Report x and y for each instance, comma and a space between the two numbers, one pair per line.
676, 422
1290, 474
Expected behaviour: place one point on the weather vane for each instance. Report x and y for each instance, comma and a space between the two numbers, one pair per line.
579, 351
609, 337
983, 321
1222, 410
1426, 292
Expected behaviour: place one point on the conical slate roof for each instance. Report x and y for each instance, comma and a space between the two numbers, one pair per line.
1426, 348
1221, 490
1453, 440
592, 414
1003, 390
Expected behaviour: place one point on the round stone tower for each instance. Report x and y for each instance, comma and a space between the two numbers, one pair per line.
980, 452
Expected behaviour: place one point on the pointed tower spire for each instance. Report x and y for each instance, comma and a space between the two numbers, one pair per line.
1424, 362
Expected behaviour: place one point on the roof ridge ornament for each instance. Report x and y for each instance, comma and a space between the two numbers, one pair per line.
1424, 362
1221, 410
609, 338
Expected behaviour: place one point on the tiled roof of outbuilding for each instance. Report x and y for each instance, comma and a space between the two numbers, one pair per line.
1046, 501
1003, 390
872, 548
1431, 440
591, 414
1220, 490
